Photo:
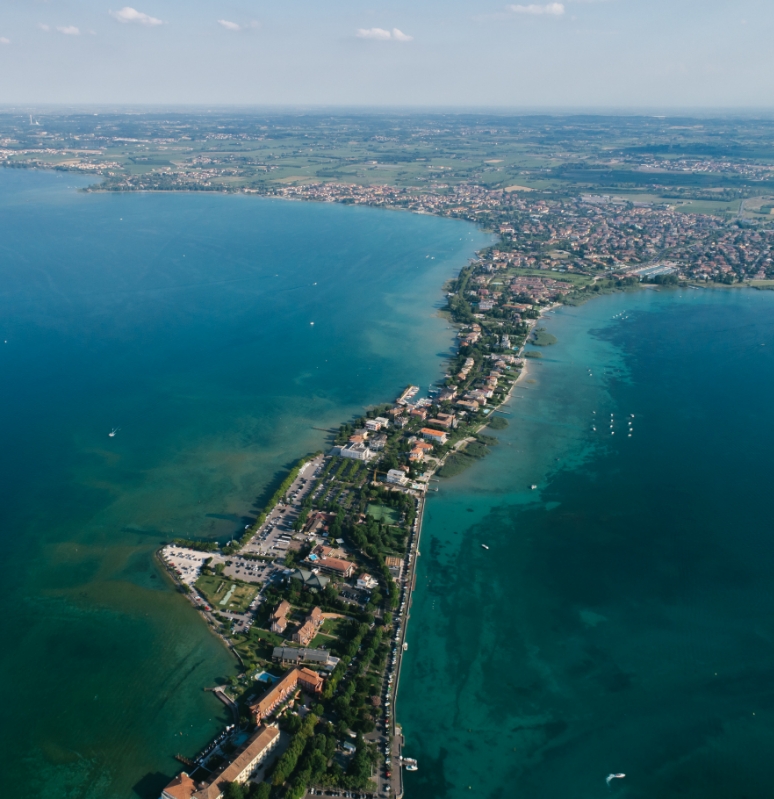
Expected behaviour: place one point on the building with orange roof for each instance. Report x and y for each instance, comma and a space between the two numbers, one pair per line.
244, 765
307, 679
279, 619
182, 787
305, 633
436, 436
344, 568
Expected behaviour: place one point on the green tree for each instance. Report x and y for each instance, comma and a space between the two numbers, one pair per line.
261, 791
235, 790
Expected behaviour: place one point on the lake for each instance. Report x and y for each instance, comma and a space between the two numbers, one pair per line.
222, 335
622, 619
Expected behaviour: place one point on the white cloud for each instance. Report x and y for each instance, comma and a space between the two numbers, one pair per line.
373, 33
236, 27
68, 30
43, 26
129, 14
551, 9
383, 35
3, 40
399, 36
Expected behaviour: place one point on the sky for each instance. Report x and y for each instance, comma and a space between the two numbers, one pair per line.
575, 54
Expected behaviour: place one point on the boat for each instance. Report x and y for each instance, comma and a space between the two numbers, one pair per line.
533, 486
484, 546
405, 646
411, 767
112, 433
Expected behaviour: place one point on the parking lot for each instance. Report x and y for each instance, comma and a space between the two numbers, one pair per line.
186, 562
274, 536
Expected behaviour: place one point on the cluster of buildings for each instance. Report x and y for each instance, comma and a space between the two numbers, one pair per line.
305, 632
364, 444
240, 769
704, 166
539, 289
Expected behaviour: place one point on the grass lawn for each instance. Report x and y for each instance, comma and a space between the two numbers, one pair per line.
260, 644
384, 514
333, 626
266, 635
225, 594
321, 641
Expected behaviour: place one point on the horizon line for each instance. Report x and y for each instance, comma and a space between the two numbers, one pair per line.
499, 110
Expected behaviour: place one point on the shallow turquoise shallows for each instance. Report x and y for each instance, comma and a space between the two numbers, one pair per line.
622, 619
217, 332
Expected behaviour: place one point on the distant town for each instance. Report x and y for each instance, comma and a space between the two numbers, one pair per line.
595, 197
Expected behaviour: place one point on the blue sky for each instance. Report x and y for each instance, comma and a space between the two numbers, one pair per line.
574, 54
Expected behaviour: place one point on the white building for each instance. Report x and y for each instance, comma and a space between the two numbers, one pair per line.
358, 452
367, 582
397, 476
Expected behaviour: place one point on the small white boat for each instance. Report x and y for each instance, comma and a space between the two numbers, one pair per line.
411, 767
533, 487
484, 546
611, 777
112, 433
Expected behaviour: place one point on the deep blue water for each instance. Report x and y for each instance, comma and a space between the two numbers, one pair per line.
622, 619
185, 320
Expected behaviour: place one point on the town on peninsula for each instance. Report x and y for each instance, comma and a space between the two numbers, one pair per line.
314, 596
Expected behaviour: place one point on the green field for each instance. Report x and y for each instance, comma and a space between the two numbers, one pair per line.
225, 594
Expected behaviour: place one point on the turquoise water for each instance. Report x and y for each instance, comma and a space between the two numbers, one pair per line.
185, 320
623, 618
